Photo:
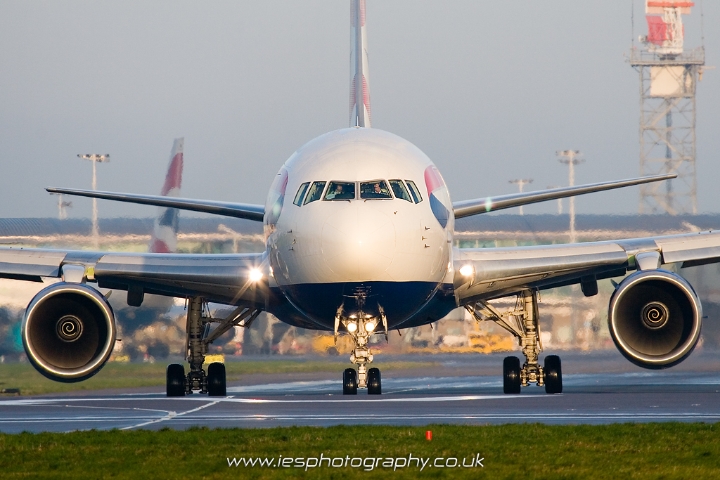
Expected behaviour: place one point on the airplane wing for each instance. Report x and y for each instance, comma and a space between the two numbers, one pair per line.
222, 278
477, 206
486, 273
228, 209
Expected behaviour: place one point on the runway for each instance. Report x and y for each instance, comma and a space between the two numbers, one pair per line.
588, 398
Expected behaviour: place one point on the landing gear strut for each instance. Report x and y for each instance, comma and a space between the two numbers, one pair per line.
199, 336
522, 322
360, 326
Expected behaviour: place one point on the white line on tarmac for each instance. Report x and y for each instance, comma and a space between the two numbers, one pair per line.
186, 417
523, 417
232, 399
170, 416
115, 408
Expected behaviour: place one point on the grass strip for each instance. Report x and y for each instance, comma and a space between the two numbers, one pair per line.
636, 451
24, 377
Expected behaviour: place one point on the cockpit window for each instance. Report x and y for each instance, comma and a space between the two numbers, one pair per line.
341, 191
398, 188
301, 194
315, 192
414, 191
376, 189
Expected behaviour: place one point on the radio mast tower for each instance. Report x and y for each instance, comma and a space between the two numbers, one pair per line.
668, 80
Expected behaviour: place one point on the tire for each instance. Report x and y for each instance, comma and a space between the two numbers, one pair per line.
553, 374
216, 380
349, 382
374, 383
511, 375
175, 380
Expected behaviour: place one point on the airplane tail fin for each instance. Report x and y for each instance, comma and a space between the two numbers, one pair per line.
359, 78
164, 237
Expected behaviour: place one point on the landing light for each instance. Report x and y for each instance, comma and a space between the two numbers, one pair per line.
467, 271
255, 275
369, 326
352, 327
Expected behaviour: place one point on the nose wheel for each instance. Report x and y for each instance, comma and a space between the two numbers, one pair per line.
360, 326
374, 384
350, 384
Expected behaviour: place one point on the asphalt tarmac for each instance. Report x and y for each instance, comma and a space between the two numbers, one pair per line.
597, 390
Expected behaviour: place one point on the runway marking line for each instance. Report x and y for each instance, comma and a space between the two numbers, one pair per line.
172, 415
233, 399
186, 417
113, 408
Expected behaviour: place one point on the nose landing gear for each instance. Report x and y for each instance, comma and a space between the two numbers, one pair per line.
360, 326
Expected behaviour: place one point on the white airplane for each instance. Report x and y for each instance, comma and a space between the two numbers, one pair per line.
359, 241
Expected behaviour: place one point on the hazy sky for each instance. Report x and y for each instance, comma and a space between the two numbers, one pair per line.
489, 90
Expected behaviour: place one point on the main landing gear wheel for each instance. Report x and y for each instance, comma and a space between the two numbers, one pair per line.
350, 385
175, 380
553, 374
511, 375
374, 384
216, 380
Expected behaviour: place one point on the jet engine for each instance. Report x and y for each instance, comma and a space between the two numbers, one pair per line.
68, 332
655, 318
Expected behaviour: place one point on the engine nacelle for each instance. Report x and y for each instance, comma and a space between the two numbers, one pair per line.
655, 318
68, 332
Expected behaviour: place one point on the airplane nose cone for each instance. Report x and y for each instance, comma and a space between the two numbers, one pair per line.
358, 243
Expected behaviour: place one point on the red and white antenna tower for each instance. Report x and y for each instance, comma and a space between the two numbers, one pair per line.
665, 28
668, 80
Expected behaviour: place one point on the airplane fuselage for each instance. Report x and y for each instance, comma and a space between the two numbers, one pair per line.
361, 220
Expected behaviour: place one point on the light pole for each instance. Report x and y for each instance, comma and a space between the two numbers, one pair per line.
62, 204
521, 182
95, 159
571, 158
559, 200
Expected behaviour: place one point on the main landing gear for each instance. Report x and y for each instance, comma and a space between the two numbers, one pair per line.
522, 322
360, 326
199, 336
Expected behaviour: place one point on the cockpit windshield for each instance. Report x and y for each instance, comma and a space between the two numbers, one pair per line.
398, 188
300, 195
315, 192
374, 190
414, 191
370, 190
340, 191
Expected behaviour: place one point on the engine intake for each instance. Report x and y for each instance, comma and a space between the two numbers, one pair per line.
68, 332
655, 318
